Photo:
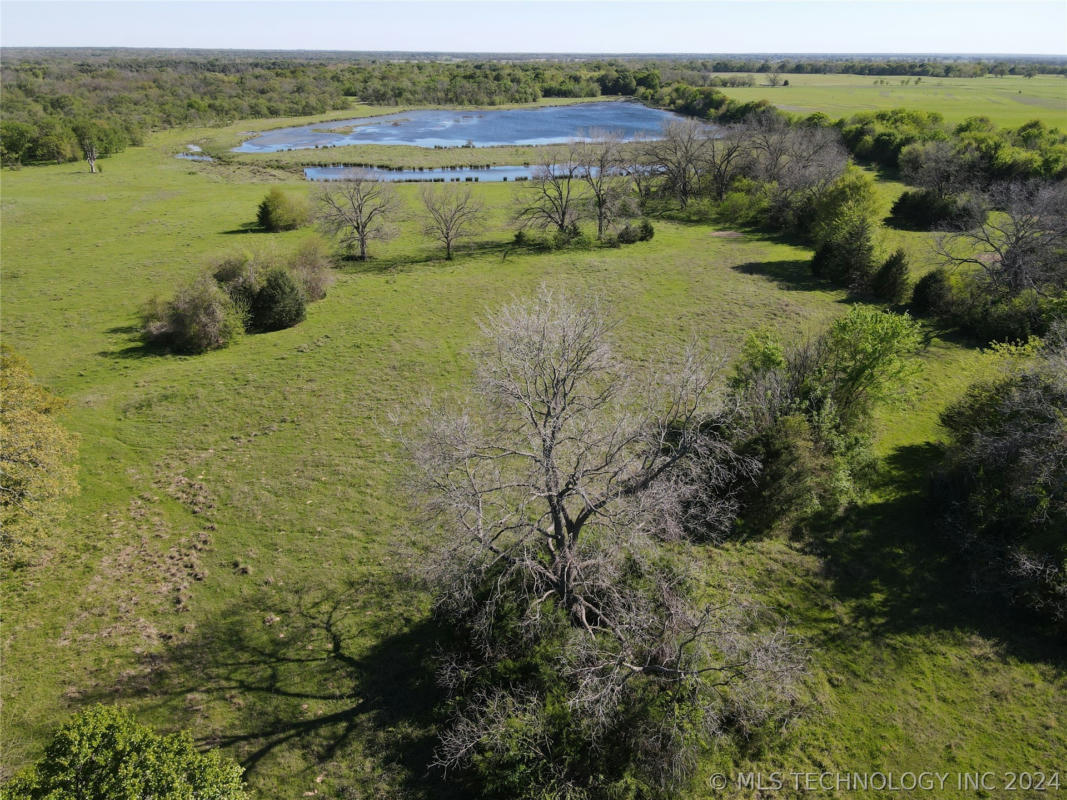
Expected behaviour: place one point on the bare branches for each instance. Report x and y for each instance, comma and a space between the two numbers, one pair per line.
453, 214
679, 155
600, 160
554, 197
1022, 246
359, 211
552, 489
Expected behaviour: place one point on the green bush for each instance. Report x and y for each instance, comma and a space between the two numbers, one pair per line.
282, 212
646, 230
571, 236
279, 303
240, 275
745, 204
925, 210
892, 280
846, 255
1003, 485
103, 754
200, 317
312, 267
809, 411
933, 293
1008, 319
628, 235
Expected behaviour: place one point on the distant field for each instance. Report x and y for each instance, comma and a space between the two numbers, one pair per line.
230, 564
1009, 101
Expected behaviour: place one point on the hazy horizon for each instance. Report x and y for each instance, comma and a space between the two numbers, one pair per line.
532, 27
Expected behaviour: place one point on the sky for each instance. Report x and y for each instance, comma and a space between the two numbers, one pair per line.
604, 26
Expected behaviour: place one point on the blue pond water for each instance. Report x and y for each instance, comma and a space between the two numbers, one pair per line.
454, 128
446, 175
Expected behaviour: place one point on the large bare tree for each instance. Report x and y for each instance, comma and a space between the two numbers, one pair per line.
679, 154
452, 214
640, 166
1022, 245
600, 163
723, 158
359, 210
553, 489
555, 196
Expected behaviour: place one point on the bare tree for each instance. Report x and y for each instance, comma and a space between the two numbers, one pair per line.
723, 158
553, 488
679, 154
453, 214
359, 210
554, 197
639, 165
600, 167
89, 148
797, 162
1022, 246
934, 166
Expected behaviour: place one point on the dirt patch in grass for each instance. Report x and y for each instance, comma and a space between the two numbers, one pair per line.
141, 583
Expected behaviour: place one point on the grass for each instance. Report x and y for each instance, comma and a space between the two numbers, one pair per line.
231, 564
1008, 102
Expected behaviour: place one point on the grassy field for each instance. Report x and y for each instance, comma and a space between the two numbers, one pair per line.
1009, 101
232, 562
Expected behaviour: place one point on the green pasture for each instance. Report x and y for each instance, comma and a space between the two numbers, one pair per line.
1009, 101
233, 562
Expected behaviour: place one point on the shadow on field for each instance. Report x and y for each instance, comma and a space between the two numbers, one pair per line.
793, 275
333, 676
894, 566
246, 227
135, 347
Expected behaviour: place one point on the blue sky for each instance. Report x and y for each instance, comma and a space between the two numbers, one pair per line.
737, 26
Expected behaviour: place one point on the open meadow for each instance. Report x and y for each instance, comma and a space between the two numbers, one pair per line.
1008, 101
231, 563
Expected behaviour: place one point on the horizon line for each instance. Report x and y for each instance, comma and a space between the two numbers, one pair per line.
599, 54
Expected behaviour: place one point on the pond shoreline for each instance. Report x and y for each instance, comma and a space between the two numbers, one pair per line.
465, 127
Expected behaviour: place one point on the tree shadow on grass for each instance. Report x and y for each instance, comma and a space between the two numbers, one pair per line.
898, 573
246, 227
331, 676
794, 275
135, 347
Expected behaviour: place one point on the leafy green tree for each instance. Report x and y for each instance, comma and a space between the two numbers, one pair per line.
1003, 484
282, 212
892, 280
103, 754
279, 303
38, 458
15, 141
809, 408
845, 255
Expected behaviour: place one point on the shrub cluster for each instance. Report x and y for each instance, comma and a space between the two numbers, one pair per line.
810, 408
282, 212
240, 293
960, 302
630, 234
1002, 488
925, 210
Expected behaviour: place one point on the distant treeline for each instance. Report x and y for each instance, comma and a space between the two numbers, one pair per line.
54, 103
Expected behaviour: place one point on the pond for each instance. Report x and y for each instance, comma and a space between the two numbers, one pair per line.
436, 175
479, 128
